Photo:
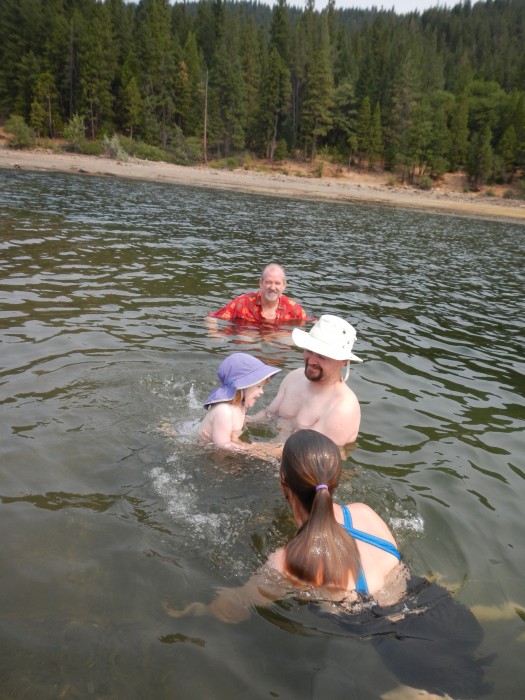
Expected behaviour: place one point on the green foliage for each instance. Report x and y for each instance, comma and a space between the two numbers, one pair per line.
316, 115
458, 133
75, 133
114, 148
22, 135
91, 148
230, 163
414, 93
142, 151
480, 166
425, 183
318, 169
273, 101
281, 150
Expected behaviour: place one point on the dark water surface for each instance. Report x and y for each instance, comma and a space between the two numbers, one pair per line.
104, 285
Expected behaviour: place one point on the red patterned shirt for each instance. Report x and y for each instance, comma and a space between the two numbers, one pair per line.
248, 307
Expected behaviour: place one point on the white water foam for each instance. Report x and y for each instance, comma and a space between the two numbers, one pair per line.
408, 523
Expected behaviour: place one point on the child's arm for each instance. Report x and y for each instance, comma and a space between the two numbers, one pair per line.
223, 435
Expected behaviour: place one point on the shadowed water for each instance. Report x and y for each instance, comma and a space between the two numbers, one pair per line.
104, 285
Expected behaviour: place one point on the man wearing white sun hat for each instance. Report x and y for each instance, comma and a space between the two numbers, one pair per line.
318, 397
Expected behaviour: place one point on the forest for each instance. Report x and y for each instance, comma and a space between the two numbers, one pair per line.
420, 94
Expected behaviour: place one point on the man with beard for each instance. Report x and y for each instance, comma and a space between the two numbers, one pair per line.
318, 396
268, 305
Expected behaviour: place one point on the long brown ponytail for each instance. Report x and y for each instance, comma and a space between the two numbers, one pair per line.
322, 553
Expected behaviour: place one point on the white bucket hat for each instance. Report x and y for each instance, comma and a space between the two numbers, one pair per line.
331, 337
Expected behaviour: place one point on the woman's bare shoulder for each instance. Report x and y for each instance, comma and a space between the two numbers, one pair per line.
365, 518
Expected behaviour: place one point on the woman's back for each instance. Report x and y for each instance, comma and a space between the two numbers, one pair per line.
379, 572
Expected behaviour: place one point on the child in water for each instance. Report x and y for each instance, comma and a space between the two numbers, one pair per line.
242, 380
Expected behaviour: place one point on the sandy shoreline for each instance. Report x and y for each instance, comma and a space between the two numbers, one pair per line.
348, 188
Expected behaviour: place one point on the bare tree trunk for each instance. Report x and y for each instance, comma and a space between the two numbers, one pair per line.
204, 141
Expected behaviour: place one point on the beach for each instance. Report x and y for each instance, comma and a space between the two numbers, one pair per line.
345, 186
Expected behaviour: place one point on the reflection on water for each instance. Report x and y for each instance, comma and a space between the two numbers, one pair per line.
104, 286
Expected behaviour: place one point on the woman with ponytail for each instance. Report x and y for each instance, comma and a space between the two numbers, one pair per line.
346, 550
346, 553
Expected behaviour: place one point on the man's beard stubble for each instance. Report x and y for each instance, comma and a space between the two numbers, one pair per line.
313, 374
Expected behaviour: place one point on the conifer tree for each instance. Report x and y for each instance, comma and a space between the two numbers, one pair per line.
97, 64
156, 54
251, 61
316, 115
274, 99
227, 92
344, 130
280, 30
193, 119
363, 131
507, 150
376, 138
44, 108
406, 92
459, 133
481, 158
131, 105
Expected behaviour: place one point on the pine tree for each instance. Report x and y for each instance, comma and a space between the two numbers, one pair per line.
363, 131
131, 105
481, 158
316, 116
507, 149
193, 119
438, 149
157, 57
274, 99
280, 30
227, 93
252, 69
344, 129
376, 138
406, 93
459, 134
44, 107
97, 64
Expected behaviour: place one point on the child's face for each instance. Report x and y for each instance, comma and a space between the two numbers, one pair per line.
252, 393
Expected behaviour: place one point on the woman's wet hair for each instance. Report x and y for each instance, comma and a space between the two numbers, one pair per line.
322, 553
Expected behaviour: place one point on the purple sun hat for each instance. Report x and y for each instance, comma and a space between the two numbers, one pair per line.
238, 371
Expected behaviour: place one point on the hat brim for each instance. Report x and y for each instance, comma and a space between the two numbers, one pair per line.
222, 393
305, 341
258, 375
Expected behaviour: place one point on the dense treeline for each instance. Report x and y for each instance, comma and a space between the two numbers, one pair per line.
421, 94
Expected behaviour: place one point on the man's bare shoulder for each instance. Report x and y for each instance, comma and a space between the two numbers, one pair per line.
344, 401
349, 392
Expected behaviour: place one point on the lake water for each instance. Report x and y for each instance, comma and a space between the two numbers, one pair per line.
104, 286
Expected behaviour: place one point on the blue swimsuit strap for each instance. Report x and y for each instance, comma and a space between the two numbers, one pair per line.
361, 584
366, 537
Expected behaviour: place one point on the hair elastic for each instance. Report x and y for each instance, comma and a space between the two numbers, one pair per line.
321, 486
